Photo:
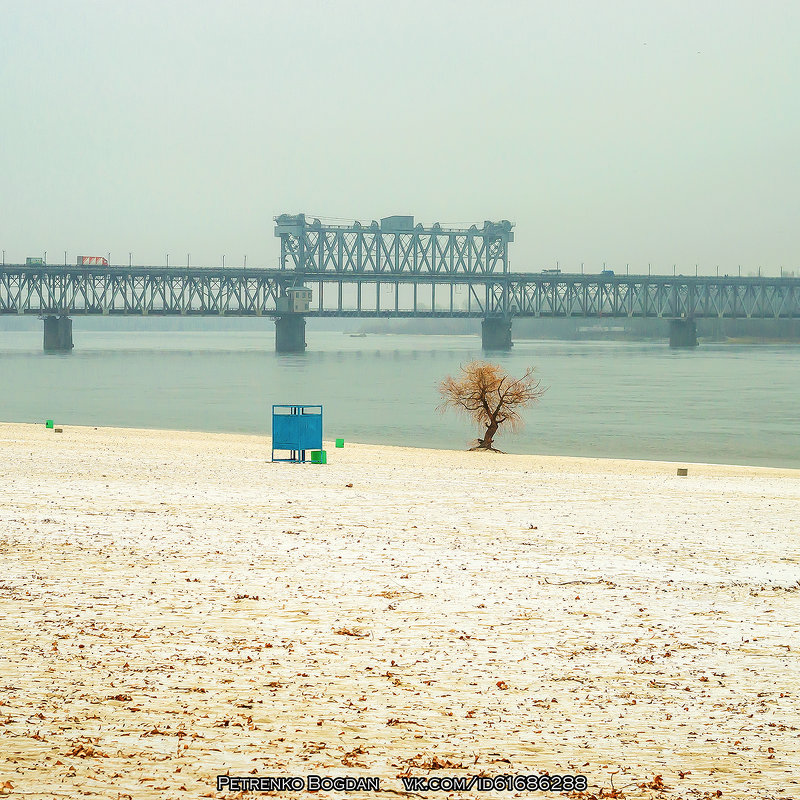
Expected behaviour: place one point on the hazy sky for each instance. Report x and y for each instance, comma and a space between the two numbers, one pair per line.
663, 132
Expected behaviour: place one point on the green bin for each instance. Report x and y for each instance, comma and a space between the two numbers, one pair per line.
340, 442
48, 423
319, 457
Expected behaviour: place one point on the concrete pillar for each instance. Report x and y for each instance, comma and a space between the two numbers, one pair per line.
57, 334
682, 333
496, 333
290, 333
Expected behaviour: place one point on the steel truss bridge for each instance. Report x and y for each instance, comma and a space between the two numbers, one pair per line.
158, 291
389, 269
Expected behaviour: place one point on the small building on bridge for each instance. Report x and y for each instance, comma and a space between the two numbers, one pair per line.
296, 301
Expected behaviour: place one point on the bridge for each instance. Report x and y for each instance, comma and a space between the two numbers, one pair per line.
389, 269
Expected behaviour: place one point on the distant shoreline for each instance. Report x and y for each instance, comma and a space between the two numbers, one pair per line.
524, 328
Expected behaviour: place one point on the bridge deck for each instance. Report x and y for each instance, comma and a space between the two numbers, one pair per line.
235, 291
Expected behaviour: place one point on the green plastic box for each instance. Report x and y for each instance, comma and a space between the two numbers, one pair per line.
340, 442
319, 457
48, 423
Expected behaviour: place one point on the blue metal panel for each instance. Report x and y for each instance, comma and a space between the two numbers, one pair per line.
296, 431
309, 432
284, 432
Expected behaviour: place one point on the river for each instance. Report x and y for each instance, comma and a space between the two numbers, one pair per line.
719, 403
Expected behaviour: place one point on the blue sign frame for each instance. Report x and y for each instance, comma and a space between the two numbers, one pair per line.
296, 428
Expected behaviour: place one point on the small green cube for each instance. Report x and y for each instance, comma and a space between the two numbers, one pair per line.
319, 457
340, 442
48, 423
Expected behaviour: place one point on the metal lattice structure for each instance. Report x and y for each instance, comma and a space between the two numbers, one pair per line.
77, 291
137, 290
640, 296
396, 245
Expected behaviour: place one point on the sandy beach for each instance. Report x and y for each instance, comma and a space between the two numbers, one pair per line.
175, 607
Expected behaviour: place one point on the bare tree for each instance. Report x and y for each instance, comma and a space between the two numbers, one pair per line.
490, 397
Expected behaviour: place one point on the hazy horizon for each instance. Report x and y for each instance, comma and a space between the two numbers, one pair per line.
618, 132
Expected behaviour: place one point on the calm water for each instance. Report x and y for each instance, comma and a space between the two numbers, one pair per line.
719, 403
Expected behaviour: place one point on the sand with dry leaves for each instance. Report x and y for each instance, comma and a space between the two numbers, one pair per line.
173, 606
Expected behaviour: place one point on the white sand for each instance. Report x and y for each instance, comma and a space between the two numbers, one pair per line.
643, 624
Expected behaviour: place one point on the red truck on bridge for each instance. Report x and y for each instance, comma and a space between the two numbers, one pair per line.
92, 261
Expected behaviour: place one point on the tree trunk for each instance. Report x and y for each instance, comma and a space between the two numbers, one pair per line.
486, 442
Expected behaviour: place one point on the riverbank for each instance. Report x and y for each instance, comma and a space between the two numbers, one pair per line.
173, 606
626, 401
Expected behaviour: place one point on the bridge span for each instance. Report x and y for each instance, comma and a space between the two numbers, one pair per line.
391, 268
59, 293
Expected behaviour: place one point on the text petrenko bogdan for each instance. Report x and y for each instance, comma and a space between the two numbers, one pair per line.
298, 783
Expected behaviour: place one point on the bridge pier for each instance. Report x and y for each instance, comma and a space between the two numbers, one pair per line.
682, 333
57, 334
290, 333
496, 333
